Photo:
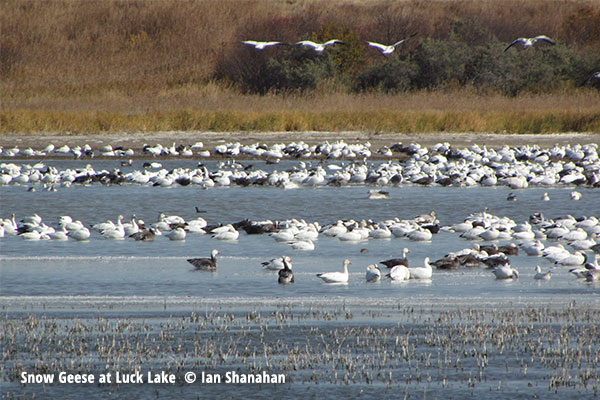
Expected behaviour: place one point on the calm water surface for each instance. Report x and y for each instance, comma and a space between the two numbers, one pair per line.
125, 277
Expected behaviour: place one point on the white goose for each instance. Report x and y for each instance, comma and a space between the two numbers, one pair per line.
528, 42
337, 277
505, 272
176, 234
305, 245
318, 47
542, 275
373, 273
227, 233
81, 235
388, 49
399, 273
262, 45
421, 272
117, 233
275, 264
575, 195
61, 234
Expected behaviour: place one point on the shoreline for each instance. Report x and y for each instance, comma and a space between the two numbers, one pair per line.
136, 141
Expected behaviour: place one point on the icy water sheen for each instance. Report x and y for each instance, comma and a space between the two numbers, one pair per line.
153, 281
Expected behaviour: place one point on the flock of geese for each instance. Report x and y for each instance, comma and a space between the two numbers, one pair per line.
339, 164
562, 242
385, 49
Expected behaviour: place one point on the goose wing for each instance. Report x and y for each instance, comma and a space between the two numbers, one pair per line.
332, 41
380, 46
308, 43
545, 39
399, 42
519, 40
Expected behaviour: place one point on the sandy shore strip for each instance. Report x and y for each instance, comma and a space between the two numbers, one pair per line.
136, 141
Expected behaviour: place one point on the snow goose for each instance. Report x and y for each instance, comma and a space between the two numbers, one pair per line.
585, 244
577, 258
305, 245
286, 275
399, 273
397, 261
116, 233
375, 194
528, 42
421, 272
420, 235
388, 49
351, 236
275, 264
176, 234
336, 277
592, 275
205, 264
310, 233
505, 272
33, 235
542, 275
575, 195
284, 235
263, 45
61, 234
532, 248
318, 47
545, 197
228, 234
335, 230
577, 234
131, 227
381, 232
81, 235
373, 273
462, 226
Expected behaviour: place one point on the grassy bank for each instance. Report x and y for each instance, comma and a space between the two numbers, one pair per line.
127, 65
457, 111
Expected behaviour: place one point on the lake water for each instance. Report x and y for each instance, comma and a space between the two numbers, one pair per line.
128, 278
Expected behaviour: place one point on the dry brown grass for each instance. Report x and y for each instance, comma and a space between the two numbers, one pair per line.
137, 65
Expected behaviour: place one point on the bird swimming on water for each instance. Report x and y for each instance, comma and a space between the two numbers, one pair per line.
205, 264
286, 275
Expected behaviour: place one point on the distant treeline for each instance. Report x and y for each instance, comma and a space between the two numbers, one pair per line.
82, 46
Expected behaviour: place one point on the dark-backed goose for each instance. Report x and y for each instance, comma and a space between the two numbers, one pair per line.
205, 264
286, 275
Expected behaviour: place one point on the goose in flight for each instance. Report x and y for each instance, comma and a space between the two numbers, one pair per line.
528, 42
388, 49
318, 47
263, 45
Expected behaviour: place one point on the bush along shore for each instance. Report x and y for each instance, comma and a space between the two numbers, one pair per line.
154, 66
